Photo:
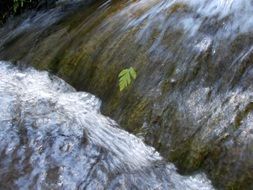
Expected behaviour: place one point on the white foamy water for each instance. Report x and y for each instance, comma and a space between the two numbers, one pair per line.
52, 137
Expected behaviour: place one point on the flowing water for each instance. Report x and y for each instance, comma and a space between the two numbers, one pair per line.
53, 137
192, 99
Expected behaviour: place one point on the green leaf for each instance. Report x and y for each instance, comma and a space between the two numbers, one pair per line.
132, 73
19, 4
125, 77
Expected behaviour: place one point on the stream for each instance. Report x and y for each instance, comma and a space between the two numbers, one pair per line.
192, 100
53, 137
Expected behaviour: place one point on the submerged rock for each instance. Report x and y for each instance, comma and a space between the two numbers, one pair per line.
192, 99
52, 137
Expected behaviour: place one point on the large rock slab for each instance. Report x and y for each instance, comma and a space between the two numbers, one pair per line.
52, 137
192, 99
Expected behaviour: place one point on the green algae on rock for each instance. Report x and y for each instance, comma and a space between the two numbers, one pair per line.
192, 98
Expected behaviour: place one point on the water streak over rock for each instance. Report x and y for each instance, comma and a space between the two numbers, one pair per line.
52, 137
192, 99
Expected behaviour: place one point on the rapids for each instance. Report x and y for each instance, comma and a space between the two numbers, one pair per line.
192, 99
53, 137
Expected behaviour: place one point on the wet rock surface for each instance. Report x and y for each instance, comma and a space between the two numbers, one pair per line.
52, 137
192, 99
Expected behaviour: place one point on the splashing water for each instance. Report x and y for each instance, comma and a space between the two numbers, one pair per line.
228, 17
52, 137
194, 91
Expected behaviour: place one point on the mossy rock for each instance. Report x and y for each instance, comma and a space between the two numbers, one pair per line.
186, 100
